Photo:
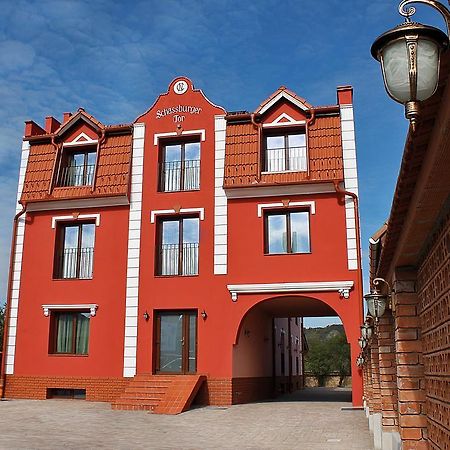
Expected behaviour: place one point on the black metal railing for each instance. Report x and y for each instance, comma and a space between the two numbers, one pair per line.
179, 261
75, 263
282, 159
180, 175
76, 175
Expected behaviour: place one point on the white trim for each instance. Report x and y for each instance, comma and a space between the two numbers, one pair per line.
92, 307
317, 286
76, 217
77, 142
156, 136
277, 122
261, 206
17, 269
133, 255
220, 199
350, 181
98, 202
276, 191
161, 212
288, 97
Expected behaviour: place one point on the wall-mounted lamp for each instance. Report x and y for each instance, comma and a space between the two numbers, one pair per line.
409, 55
146, 316
362, 343
376, 301
360, 360
366, 331
204, 315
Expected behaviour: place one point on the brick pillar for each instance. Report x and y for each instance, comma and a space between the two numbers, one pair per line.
410, 369
388, 384
375, 406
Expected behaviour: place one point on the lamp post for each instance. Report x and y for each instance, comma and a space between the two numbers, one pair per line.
410, 58
376, 301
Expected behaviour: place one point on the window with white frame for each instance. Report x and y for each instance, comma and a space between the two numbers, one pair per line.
285, 152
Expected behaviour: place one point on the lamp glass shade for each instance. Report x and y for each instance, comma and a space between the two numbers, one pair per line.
427, 68
376, 304
394, 58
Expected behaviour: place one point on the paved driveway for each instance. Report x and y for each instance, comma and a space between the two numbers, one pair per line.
293, 422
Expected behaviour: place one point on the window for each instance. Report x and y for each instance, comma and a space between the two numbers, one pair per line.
77, 167
285, 152
74, 256
180, 167
78, 394
178, 246
69, 332
287, 232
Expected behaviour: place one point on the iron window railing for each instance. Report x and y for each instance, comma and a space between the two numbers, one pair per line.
282, 159
179, 260
180, 175
76, 175
75, 263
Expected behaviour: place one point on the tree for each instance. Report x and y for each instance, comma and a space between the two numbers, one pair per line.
328, 353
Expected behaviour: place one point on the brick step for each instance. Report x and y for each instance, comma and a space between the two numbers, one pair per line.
132, 407
148, 389
138, 396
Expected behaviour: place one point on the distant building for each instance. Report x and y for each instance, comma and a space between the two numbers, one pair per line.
173, 250
406, 373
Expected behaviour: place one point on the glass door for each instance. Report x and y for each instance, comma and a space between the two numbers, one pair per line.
176, 342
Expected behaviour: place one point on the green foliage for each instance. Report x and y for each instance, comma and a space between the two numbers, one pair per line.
328, 352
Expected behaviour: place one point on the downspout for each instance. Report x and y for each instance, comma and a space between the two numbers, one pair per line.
55, 168
12, 261
309, 122
99, 144
354, 197
290, 356
258, 128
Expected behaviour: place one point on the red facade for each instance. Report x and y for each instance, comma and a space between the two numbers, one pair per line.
173, 244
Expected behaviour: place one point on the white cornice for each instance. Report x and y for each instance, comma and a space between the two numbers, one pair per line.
92, 307
275, 191
77, 203
342, 287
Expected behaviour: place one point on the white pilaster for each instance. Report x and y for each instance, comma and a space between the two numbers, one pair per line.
17, 269
220, 200
350, 181
134, 242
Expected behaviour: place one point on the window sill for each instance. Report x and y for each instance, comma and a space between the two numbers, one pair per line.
72, 279
176, 276
177, 192
71, 355
287, 254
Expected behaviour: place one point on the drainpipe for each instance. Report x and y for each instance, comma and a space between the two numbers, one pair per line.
309, 122
290, 356
354, 197
9, 298
258, 127
56, 163
99, 144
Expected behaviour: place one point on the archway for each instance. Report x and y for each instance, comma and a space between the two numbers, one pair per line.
259, 350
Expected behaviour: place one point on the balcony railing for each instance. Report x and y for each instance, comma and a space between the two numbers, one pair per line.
176, 261
180, 175
76, 175
282, 159
75, 263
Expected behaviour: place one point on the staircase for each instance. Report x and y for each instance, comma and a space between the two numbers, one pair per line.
161, 394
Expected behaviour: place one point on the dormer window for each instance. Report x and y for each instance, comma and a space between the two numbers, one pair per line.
285, 152
77, 166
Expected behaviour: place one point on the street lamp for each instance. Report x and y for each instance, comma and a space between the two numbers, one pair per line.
366, 331
410, 58
376, 301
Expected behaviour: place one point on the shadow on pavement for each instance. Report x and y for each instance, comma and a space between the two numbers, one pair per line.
317, 394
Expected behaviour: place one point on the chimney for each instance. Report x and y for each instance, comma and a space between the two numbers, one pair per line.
51, 124
66, 116
345, 95
32, 129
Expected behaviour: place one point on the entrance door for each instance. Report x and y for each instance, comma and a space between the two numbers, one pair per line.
176, 342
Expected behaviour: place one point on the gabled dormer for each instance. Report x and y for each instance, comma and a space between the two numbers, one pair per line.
284, 141
79, 158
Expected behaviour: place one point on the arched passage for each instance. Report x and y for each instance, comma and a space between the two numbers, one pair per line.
256, 351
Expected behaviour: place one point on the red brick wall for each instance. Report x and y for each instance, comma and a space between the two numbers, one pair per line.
35, 387
247, 390
215, 391
434, 309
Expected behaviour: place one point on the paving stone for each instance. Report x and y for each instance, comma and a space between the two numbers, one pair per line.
303, 420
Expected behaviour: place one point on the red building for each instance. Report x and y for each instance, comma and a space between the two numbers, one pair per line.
177, 243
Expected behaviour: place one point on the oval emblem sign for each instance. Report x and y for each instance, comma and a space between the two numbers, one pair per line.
180, 87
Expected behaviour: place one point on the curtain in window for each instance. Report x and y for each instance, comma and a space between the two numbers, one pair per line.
65, 333
82, 336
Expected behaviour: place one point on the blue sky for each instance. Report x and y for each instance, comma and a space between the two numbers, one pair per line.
114, 57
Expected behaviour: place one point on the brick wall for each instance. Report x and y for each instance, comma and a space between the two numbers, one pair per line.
375, 401
434, 309
247, 390
215, 391
35, 387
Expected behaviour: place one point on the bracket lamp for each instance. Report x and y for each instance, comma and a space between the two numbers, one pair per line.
409, 55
